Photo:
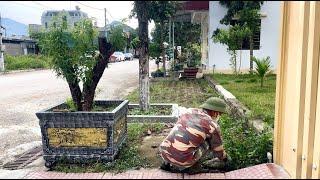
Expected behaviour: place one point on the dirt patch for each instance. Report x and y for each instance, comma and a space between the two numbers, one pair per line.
149, 147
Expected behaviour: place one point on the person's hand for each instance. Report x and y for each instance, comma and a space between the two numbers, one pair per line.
227, 158
214, 163
228, 162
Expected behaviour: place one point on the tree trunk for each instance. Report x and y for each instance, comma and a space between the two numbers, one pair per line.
163, 52
89, 87
262, 78
251, 54
75, 93
143, 52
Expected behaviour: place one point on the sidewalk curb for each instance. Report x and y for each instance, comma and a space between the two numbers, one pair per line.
20, 71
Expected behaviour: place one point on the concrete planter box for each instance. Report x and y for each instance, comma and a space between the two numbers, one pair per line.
190, 72
81, 137
155, 118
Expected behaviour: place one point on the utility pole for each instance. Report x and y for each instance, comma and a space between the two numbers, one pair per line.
1, 48
105, 21
173, 39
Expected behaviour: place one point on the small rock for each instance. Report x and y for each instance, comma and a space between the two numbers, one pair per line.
149, 132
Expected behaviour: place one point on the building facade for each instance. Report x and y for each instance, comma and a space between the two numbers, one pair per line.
72, 17
209, 13
266, 42
19, 46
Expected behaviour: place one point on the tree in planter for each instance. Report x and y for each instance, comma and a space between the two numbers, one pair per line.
78, 57
262, 68
247, 14
232, 38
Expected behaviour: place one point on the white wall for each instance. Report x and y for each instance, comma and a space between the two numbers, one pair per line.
269, 37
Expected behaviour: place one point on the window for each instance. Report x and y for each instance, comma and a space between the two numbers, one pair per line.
256, 38
46, 25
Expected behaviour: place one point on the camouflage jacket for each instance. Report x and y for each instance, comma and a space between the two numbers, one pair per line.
192, 129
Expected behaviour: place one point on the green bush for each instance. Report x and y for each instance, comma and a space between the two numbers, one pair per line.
26, 62
158, 73
245, 146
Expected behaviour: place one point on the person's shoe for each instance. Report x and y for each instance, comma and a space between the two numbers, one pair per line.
165, 166
196, 169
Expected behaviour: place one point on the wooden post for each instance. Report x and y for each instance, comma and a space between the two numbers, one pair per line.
297, 116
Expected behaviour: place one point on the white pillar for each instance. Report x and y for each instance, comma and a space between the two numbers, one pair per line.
204, 38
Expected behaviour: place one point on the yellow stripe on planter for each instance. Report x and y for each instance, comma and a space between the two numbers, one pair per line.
77, 137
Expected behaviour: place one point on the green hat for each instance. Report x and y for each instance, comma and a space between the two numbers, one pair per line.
215, 104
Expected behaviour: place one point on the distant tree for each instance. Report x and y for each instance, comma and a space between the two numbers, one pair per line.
232, 38
118, 37
248, 14
186, 32
154, 49
160, 12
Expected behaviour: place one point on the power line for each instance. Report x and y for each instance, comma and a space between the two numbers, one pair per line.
95, 8
42, 5
25, 5
89, 6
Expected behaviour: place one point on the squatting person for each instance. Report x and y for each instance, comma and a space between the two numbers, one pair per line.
195, 135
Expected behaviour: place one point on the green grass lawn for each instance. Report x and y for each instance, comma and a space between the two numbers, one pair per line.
246, 88
190, 94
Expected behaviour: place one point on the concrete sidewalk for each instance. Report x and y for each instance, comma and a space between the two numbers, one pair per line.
262, 171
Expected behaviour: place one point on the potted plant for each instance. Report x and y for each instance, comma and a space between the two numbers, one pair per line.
81, 129
193, 54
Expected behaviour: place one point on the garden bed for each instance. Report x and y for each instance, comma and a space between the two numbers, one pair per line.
163, 113
190, 94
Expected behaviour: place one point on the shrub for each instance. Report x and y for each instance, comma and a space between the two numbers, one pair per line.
26, 62
262, 67
245, 146
157, 73
193, 54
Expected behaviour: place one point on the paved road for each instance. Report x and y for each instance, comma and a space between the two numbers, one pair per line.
24, 94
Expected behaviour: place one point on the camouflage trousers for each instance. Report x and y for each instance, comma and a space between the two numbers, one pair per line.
199, 156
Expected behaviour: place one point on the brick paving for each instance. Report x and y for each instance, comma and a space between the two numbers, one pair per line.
262, 171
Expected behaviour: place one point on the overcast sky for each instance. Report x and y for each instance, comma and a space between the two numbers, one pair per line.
29, 12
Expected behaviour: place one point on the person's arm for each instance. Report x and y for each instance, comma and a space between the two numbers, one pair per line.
216, 144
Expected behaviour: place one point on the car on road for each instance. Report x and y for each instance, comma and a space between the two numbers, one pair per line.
128, 56
117, 57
